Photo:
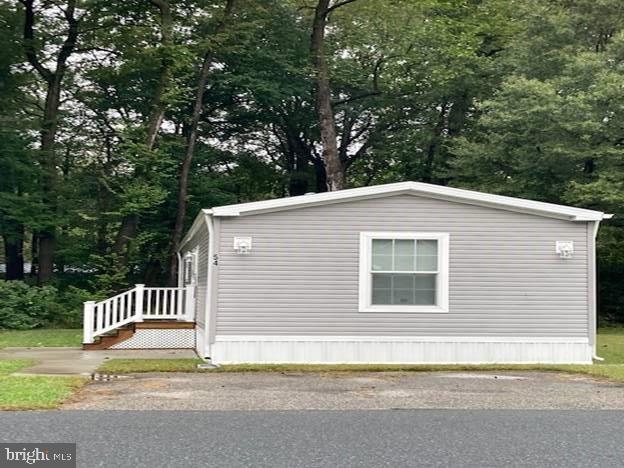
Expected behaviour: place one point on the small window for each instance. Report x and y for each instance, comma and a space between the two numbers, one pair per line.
403, 272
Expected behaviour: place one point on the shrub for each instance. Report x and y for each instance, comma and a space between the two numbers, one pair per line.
23, 307
68, 313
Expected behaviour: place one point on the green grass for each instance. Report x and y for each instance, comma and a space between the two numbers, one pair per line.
610, 346
42, 337
33, 392
130, 366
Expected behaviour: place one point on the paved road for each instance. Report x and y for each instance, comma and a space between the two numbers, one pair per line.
328, 438
352, 391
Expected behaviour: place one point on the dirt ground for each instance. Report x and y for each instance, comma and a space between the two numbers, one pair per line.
340, 391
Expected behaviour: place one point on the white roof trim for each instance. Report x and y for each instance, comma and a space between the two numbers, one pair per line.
414, 188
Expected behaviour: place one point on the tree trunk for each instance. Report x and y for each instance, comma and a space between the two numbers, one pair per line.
457, 115
432, 147
47, 235
157, 108
191, 140
34, 255
130, 222
54, 80
153, 273
297, 182
321, 176
327, 125
14, 253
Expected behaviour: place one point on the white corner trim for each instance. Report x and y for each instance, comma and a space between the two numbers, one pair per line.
209, 317
416, 188
442, 286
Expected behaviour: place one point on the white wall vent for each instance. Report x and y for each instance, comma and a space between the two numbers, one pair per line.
242, 245
565, 249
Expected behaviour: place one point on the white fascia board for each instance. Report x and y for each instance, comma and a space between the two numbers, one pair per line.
415, 188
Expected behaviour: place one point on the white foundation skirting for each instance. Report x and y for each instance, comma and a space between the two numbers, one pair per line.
399, 350
159, 338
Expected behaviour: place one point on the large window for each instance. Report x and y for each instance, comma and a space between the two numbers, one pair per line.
403, 272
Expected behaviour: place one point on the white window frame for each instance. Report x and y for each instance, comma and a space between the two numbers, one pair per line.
442, 283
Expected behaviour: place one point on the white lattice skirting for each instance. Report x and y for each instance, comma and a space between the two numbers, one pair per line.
397, 350
159, 339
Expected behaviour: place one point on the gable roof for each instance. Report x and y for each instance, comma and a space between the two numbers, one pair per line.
413, 188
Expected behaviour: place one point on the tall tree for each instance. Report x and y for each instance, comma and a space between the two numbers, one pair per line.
334, 168
48, 131
16, 172
191, 140
156, 112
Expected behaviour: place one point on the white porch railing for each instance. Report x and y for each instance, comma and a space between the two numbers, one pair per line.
137, 305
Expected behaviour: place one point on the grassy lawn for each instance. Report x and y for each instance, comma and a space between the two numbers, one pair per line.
610, 346
33, 392
40, 337
129, 366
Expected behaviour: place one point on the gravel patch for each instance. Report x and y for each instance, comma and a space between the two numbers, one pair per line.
351, 391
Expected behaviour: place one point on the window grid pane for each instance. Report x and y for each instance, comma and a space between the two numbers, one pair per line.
382, 255
427, 255
406, 255
403, 254
403, 289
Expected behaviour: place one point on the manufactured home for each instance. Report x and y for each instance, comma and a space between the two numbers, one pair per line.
398, 273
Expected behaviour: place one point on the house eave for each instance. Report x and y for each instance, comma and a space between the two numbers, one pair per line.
418, 189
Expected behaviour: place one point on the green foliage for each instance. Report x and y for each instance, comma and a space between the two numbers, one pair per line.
25, 307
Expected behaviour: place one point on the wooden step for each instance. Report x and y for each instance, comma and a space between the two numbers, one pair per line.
106, 341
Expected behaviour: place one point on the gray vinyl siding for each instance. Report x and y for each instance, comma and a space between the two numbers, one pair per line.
301, 277
200, 240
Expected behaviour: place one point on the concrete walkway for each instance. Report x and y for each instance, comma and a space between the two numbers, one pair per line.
75, 361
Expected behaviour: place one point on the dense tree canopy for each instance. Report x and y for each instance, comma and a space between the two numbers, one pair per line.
120, 120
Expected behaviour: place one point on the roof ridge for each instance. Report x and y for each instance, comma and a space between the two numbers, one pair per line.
432, 190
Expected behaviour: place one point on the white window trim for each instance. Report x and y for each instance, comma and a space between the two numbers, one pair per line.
442, 286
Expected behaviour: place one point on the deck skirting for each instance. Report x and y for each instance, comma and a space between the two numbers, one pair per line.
159, 338
229, 349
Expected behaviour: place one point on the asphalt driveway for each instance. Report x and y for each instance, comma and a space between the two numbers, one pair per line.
351, 391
